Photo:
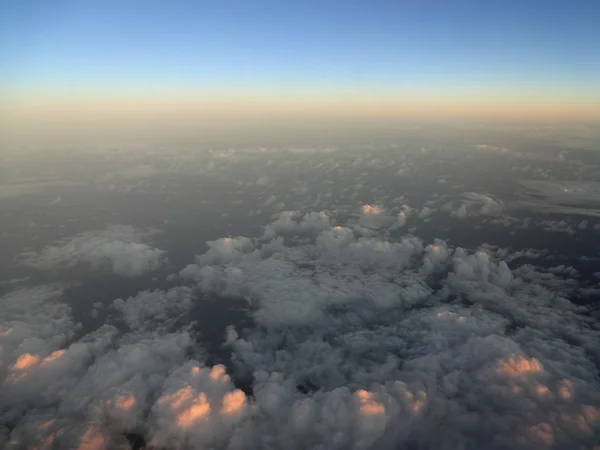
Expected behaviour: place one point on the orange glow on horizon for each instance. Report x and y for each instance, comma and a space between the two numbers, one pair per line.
248, 103
63, 117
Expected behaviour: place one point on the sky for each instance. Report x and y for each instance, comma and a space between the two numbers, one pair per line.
434, 58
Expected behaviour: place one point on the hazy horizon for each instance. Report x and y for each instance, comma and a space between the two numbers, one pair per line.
107, 64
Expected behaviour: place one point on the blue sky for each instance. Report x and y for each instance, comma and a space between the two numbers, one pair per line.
289, 44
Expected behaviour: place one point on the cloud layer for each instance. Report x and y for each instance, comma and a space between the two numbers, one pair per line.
359, 341
120, 248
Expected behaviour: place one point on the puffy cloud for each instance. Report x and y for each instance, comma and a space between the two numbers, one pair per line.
368, 406
474, 204
35, 323
150, 310
226, 249
374, 217
358, 342
271, 200
119, 247
401, 218
425, 212
370, 210
329, 300
558, 226
293, 222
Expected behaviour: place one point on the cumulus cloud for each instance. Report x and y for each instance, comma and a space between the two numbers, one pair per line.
33, 321
357, 342
293, 222
474, 204
425, 212
374, 217
441, 352
152, 310
401, 218
118, 247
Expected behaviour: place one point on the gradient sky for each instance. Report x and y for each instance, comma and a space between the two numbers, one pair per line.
454, 52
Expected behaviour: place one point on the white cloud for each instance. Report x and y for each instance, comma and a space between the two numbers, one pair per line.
425, 212
334, 301
359, 342
401, 218
152, 310
374, 217
474, 204
33, 320
294, 222
119, 247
